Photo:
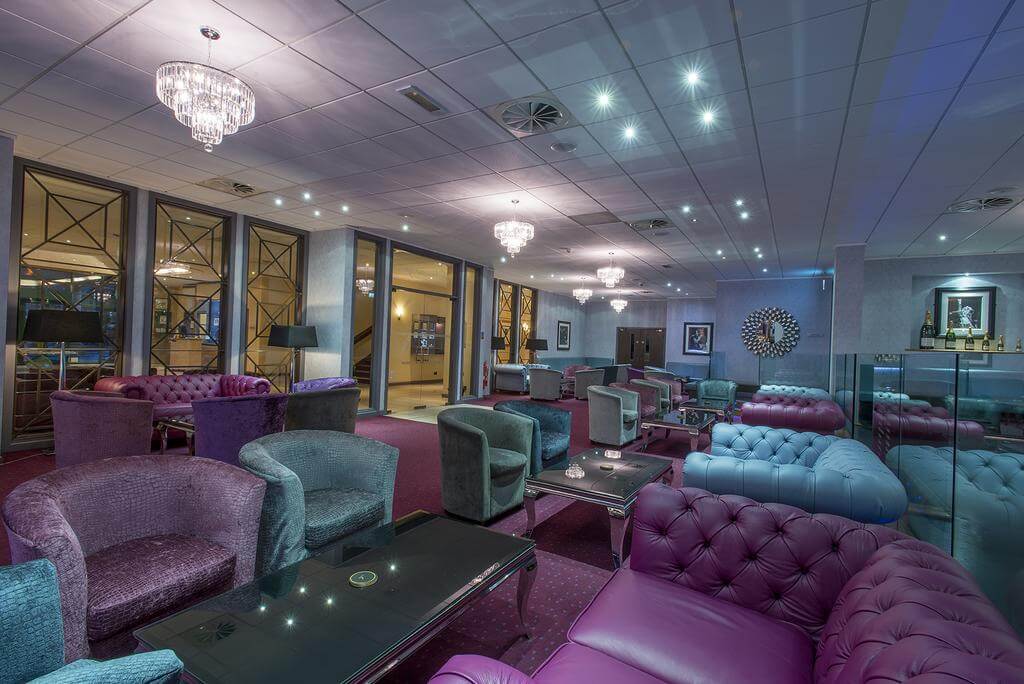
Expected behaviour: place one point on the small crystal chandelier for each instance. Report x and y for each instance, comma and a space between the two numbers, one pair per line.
513, 234
619, 304
610, 275
364, 285
171, 268
211, 102
582, 294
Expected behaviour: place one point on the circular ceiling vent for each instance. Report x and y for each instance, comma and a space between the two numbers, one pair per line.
563, 147
532, 116
650, 224
979, 204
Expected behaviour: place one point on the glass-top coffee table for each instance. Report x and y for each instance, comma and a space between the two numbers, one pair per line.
183, 424
691, 423
314, 622
721, 408
610, 482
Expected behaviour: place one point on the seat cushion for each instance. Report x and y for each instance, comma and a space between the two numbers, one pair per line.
506, 463
165, 411
682, 636
575, 663
334, 513
628, 416
135, 580
552, 444
648, 410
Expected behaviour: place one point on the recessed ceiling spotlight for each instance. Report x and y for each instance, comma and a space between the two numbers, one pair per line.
687, 208
723, 258
306, 196
604, 99
757, 249
718, 252
764, 270
344, 208
693, 220
629, 132
679, 289
561, 278
967, 275
739, 202
405, 227
744, 215
942, 238
760, 256
551, 276
531, 276
707, 117
278, 201
692, 77
503, 260
316, 212
668, 284
565, 147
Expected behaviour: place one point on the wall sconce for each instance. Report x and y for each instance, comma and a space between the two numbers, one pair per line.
399, 311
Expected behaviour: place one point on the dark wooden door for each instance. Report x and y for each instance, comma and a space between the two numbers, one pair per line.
640, 347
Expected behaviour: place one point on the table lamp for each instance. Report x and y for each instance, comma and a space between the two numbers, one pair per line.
535, 345
295, 337
52, 325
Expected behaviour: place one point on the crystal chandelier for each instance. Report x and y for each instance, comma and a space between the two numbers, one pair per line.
171, 268
211, 102
364, 285
618, 304
610, 275
582, 294
513, 235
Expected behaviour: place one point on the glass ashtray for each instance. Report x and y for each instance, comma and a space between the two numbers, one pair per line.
612, 453
574, 472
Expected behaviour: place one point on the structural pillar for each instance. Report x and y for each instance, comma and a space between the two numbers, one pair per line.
10, 257
847, 302
329, 302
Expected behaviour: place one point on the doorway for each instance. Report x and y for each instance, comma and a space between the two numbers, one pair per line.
422, 315
640, 347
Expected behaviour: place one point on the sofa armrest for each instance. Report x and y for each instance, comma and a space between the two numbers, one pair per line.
282, 537
628, 399
475, 669
225, 507
242, 385
30, 620
125, 386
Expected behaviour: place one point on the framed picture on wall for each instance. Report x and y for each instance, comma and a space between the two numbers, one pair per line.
697, 338
564, 336
966, 309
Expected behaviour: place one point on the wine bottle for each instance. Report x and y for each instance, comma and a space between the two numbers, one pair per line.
950, 339
927, 332
986, 343
1001, 344
969, 340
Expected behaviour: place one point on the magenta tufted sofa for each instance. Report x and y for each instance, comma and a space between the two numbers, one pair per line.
723, 589
135, 537
804, 412
172, 395
919, 423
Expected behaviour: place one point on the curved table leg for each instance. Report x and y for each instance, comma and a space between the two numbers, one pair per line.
527, 576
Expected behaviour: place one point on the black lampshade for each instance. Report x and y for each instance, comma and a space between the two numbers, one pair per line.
497, 344
293, 336
534, 344
51, 325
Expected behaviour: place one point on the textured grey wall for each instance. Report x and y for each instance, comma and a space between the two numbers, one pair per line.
681, 311
602, 322
553, 308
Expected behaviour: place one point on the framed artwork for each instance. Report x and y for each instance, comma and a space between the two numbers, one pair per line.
564, 336
966, 308
697, 338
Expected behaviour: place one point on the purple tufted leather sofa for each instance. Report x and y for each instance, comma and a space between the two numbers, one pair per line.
804, 409
723, 589
172, 395
920, 423
134, 538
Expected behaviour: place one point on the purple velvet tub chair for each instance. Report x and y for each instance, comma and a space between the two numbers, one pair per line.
135, 538
724, 589
88, 426
225, 424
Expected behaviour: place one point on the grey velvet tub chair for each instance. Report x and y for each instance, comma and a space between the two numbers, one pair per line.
613, 415
485, 457
588, 378
321, 486
332, 408
664, 392
545, 384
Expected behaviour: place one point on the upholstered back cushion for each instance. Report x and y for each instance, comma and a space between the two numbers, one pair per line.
913, 613
768, 444
316, 384
724, 390
183, 389
789, 394
772, 558
910, 408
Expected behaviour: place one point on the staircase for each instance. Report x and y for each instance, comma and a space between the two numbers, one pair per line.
362, 349
361, 370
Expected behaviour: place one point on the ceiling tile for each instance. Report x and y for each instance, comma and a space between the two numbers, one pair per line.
897, 26
756, 16
55, 113
83, 97
431, 31
110, 75
140, 46
31, 148
288, 21
415, 144
577, 135
139, 140
32, 42
363, 113
81, 161
646, 128
489, 77
295, 76
535, 177
16, 72
625, 94
479, 186
655, 29
915, 73
577, 50
514, 18
429, 84
316, 129
719, 69
588, 168
355, 51
802, 96
438, 169
1003, 58
469, 130
730, 111
811, 46
77, 20
506, 156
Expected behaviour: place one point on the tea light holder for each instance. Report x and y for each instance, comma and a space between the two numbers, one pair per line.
574, 472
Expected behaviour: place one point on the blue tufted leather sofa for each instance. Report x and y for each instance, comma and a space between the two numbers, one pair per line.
982, 518
793, 391
818, 473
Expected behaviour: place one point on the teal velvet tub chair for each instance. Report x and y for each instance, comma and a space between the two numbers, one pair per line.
32, 648
485, 457
322, 485
551, 429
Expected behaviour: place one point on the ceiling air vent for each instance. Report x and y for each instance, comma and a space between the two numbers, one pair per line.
532, 115
650, 224
420, 98
231, 187
979, 204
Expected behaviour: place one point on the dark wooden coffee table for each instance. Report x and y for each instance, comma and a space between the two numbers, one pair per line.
616, 488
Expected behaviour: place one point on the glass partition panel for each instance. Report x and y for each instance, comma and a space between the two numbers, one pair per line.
469, 328
274, 297
366, 287
71, 258
189, 281
506, 302
800, 368
527, 322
